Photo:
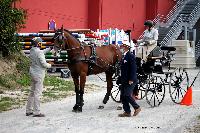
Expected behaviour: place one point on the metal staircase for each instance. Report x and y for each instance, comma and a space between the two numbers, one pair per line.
188, 16
162, 21
183, 15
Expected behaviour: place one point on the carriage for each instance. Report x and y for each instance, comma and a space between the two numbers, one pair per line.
154, 76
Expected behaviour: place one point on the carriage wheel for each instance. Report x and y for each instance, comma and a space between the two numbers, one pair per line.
115, 94
178, 85
155, 91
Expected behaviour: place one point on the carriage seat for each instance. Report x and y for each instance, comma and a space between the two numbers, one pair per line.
168, 48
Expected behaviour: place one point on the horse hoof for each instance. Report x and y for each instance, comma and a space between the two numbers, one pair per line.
101, 107
77, 111
77, 108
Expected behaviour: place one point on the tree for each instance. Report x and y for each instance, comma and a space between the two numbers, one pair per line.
11, 20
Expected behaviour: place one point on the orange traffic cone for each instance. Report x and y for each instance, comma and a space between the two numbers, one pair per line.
187, 99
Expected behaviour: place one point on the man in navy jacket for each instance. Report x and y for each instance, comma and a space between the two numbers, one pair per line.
128, 81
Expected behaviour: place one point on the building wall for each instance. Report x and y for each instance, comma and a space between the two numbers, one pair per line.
164, 6
93, 14
70, 13
129, 15
139, 17
151, 9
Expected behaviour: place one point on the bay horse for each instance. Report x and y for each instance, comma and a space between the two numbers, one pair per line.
107, 60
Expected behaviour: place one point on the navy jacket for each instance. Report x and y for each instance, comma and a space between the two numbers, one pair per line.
128, 68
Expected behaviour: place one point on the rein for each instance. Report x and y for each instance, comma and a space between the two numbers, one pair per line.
73, 48
105, 80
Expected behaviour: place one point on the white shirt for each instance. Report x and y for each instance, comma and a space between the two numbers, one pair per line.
38, 62
150, 36
125, 53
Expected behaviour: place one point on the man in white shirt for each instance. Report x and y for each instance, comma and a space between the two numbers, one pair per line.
148, 42
37, 72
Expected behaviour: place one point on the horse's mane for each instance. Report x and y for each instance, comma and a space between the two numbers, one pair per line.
71, 35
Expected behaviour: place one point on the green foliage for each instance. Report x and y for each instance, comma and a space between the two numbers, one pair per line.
11, 20
6, 103
24, 80
19, 78
58, 84
50, 94
59, 89
23, 64
8, 81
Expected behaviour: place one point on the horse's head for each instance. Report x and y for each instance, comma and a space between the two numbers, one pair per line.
59, 40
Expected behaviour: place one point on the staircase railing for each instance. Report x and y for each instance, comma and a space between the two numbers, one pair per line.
160, 20
194, 16
173, 13
197, 52
177, 27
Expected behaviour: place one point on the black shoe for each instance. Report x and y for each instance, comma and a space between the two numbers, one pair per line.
39, 115
28, 114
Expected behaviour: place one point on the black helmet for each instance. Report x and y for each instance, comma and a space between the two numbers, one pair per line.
149, 23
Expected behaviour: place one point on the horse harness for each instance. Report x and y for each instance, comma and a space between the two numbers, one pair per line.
92, 60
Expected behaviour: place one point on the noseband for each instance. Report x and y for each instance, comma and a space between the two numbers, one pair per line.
61, 39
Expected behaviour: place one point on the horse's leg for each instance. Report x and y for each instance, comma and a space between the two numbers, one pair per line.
82, 86
109, 88
76, 84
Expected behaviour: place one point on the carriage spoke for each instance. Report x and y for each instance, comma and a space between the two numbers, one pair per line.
154, 101
181, 92
115, 90
176, 95
157, 98
160, 94
116, 94
151, 97
178, 92
174, 91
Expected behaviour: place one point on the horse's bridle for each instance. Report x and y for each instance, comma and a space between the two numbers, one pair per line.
61, 38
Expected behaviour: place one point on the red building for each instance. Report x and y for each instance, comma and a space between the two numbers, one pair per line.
93, 14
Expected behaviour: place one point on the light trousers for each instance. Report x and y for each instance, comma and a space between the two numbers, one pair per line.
33, 104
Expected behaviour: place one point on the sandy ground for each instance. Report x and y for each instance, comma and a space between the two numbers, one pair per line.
167, 118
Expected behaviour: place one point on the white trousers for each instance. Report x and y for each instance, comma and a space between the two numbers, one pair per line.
33, 104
